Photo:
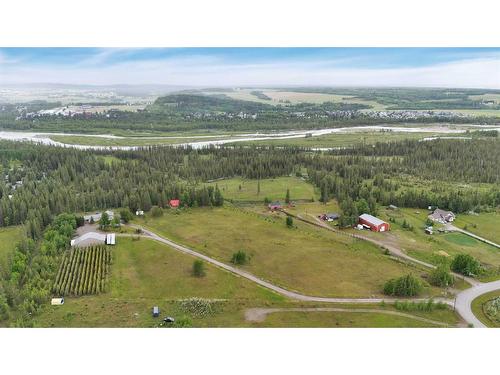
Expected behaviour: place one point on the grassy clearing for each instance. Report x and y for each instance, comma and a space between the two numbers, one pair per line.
128, 141
477, 308
344, 139
272, 188
306, 259
485, 225
146, 273
320, 319
9, 236
436, 248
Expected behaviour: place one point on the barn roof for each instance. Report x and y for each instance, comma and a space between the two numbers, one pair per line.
372, 219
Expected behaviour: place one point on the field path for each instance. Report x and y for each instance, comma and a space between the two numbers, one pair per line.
259, 314
462, 303
287, 293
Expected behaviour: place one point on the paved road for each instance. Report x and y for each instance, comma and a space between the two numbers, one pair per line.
464, 300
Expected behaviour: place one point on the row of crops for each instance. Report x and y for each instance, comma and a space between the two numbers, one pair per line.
83, 271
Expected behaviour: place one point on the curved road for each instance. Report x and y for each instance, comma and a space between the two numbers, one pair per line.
462, 302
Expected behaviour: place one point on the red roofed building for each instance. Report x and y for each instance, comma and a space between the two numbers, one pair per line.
174, 203
374, 223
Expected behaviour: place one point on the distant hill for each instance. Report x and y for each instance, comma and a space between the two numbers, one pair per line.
188, 103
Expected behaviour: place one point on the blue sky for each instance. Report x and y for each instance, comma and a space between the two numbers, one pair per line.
448, 67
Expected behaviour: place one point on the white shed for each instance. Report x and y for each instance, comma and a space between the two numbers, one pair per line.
111, 239
57, 301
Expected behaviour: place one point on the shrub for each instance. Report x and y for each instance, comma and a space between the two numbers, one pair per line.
239, 257
126, 215
441, 277
289, 221
466, 265
429, 305
405, 286
198, 268
156, 211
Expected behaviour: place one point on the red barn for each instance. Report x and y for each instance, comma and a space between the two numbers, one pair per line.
174, 203
374, 223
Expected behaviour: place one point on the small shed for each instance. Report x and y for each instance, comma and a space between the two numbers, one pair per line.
174, 203
156, 312
57, 301
111, 239
274, 206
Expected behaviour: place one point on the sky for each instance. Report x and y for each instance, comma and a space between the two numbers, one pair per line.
217, 67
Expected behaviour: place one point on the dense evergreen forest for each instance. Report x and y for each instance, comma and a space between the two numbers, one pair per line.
41, 183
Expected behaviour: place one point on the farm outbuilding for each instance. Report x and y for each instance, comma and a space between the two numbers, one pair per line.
174, 203
274, 206
57, 301
330, 217
156, 311
111, 239
374, 223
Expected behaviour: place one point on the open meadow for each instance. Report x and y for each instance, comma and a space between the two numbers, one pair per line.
145, 273
304, 258
239, 189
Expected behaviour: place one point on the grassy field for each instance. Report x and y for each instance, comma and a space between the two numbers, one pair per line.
485, 225
477, 308
128, 141
9, 236
305, 259
146, 273
344, 139
434, 248
272, 188
320, 319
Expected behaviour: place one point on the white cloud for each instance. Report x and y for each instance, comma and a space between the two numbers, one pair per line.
210, 71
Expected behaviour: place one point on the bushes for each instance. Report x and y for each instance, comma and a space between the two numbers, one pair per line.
429, 305
199, 307
126, 215
405, 286
239, 258
441, 277
466, 265
198, 268
156, 211
289, 222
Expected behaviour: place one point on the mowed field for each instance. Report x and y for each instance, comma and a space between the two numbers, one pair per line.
9, 236
434, 248
306, 259
486, 225
272, 188
145, 273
